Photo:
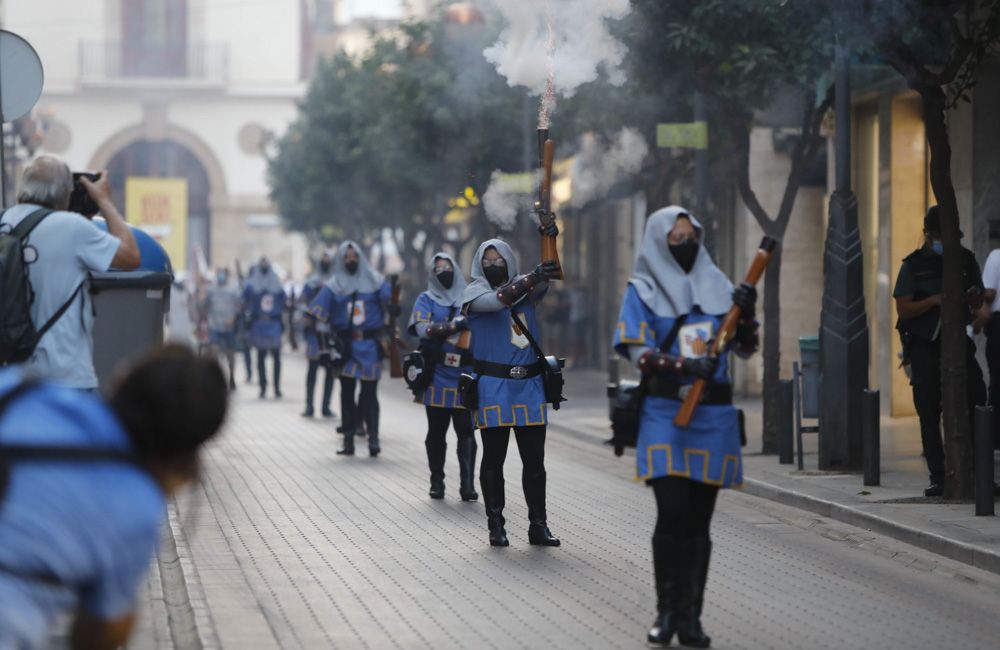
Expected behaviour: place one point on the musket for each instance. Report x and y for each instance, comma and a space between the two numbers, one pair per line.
726, 331
543, 206
395, 356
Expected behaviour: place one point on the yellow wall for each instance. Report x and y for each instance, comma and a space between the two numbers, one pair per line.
910, 199
866, 185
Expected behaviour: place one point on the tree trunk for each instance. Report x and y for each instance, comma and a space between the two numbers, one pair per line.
954, 378
772, 352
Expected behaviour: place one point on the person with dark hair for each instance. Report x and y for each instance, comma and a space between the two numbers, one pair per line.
673, 308
437, 321
510, 391
84, 489
264, 301
355, 303
918, 301
313, 330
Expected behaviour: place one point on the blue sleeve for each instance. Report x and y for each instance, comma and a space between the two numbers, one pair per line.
322, 306
634, 324
385, 292
114, 592
422, 313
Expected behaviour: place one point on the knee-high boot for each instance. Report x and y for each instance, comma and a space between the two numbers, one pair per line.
534, 493
436, 452
492, 484
665, 563
691, 596
467, 449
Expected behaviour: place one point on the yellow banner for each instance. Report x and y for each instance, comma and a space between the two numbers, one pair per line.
691, 135
159, 207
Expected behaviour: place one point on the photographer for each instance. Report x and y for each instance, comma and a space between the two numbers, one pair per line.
62, 247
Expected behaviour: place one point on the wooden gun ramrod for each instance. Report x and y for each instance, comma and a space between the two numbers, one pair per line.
726, 331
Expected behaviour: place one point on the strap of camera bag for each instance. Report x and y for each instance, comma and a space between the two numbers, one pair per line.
531, 339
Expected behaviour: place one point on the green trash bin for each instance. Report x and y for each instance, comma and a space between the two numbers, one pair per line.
809, 352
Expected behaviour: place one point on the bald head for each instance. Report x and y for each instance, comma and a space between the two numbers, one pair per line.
47, 182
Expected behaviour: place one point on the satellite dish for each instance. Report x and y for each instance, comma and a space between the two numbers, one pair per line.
21, 76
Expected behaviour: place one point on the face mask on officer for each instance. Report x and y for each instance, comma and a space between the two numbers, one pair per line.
264, 266
495, 270
685, 253
324, 265
222, 279
351, 261
446, 277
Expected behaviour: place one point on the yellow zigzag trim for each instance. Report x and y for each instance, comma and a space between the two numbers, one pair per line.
686, 473
644, 328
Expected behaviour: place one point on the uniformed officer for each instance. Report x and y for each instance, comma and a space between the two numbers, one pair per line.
918, 302
264, 301
355, 303
673, 307
438, 323
313, 330
510, 390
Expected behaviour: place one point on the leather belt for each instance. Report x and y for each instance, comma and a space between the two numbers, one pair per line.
714, 393
464, 359
364, 335
503, 371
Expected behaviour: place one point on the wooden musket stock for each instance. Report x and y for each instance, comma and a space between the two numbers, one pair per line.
726, 331
550, 251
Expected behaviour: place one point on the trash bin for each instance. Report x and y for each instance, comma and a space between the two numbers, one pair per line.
809, 351
153, 257
128, 317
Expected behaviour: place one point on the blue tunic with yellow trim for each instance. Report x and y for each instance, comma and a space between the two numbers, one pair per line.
310, 290
369, 316
507, 402
266, 310
708, 450
443, 392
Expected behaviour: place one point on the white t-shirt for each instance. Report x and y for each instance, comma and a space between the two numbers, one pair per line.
991, 276
68, 246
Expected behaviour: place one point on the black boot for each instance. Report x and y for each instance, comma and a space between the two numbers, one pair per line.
491, 482
534, 493
665, 550
436, 452
374, 448
348, 448
691, 594
467, 468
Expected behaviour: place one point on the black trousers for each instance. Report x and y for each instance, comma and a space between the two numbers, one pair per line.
925, 370
328, 380
993, 363
364, 410
438, 421
262, 368
684, 508
530, 444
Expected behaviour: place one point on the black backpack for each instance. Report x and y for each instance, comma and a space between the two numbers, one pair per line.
18, 335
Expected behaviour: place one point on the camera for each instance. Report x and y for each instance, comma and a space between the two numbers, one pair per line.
80, 200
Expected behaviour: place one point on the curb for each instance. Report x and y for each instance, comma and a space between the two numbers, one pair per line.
960, 551
190, 627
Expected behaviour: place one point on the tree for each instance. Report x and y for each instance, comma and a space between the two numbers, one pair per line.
937, 46
739, 54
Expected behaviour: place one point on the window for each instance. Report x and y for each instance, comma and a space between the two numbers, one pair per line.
154, 38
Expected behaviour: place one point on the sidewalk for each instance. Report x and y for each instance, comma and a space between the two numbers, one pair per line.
897, 508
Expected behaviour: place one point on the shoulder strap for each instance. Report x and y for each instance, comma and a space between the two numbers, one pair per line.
672, 334
59, 312
30, 222
527, 334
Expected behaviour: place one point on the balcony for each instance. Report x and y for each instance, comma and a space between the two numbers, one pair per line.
111, 64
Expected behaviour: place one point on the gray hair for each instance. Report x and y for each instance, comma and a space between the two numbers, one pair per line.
47, 182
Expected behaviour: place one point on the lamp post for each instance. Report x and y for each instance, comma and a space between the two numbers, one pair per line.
844, 339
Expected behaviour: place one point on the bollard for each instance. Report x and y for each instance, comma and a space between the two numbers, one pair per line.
785, 424
871, 437
983, 441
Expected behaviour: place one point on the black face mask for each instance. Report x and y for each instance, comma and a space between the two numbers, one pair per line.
496, 275
685, 254
352, 267
324, 267
446, 278
264, 268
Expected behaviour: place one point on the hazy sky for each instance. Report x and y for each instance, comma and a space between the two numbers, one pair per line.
374, 8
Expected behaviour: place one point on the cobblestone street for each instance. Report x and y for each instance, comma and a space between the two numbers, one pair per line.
286, 545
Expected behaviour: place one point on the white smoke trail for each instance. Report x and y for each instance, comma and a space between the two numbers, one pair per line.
545, 49
500, 204
596, 170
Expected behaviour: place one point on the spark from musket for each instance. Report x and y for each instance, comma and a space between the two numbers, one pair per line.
548, 101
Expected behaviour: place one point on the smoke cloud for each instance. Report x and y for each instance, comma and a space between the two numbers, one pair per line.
596, 170
502, 202
560, 50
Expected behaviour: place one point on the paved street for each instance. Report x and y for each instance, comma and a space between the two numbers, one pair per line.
286, 545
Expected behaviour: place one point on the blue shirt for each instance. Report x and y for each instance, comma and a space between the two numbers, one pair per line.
443, 391
266, 312
95, 525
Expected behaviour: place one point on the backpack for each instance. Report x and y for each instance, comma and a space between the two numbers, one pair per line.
18, 335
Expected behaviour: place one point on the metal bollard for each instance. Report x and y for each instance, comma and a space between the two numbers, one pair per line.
983, 441
785, 422
871, 437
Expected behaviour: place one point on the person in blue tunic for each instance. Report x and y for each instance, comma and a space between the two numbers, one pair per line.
264, 301
355, 303
438, 323
313, 330
510, 388
77, 535
678, 293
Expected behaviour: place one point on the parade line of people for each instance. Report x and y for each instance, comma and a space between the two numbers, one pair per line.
479, 366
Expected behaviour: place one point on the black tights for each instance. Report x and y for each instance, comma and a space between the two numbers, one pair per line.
366, 409
684, 507
311, 384
439, 419
530, 444
262, 368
